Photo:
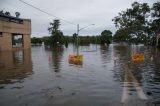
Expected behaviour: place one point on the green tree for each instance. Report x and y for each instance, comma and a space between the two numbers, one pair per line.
106, 37
121, 35
1, 12
135, 20
155, 22
35, 40
47, 40
7, 13
56, 35
155, 16
74, 37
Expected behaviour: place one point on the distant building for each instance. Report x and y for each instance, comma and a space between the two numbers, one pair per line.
15, 33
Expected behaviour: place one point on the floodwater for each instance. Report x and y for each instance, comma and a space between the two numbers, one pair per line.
106, 77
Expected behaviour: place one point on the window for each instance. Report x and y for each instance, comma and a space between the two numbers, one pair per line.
17, 40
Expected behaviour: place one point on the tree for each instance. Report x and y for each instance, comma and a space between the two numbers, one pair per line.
1, 12
106, 37
135, 20
54, 26
35, 40
7, 13
121, 35
155, 22
17, 14
74, 37
56, 34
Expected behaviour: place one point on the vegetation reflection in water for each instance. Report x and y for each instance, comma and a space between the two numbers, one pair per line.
45, 77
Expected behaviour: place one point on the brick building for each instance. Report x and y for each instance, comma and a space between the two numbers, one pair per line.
15, 33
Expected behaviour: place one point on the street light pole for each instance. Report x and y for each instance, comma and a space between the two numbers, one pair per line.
78, 34
77, 38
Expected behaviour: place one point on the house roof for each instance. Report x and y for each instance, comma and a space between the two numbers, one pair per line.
12, 18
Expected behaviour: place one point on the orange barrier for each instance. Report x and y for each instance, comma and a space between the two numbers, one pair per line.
75, 59
137, 57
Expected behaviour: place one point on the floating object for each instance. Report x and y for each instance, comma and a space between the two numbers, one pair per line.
137, 57
75, 59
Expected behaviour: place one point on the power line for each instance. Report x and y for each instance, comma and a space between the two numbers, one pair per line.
46, 12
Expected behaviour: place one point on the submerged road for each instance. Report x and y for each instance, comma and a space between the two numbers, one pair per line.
130, 82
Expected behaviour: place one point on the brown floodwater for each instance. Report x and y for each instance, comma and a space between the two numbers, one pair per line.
106, 77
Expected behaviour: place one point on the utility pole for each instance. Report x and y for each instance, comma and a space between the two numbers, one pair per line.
77, 38
79, 29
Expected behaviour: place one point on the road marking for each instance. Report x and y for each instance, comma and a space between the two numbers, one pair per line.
141, 93
125, 93
129, 79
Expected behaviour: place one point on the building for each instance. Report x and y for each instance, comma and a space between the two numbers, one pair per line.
15, 33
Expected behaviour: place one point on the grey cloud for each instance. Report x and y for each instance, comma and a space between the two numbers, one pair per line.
83, 12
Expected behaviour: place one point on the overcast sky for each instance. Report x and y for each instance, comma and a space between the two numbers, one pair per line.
82, 12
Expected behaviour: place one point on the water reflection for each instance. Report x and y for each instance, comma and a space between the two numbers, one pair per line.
99, 82
104, 53
14, 65
55, 57
120, 51
139, 74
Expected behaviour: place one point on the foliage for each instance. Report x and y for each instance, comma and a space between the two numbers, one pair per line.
54, 26
74, 38
121, 35
47, 40
5, 13
84, 40
106, 37
155, 22
35, 40
135, 21
56, 35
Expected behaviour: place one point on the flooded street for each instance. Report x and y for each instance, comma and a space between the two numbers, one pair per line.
44, 77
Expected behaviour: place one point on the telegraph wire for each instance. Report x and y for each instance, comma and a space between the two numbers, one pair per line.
46, 12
